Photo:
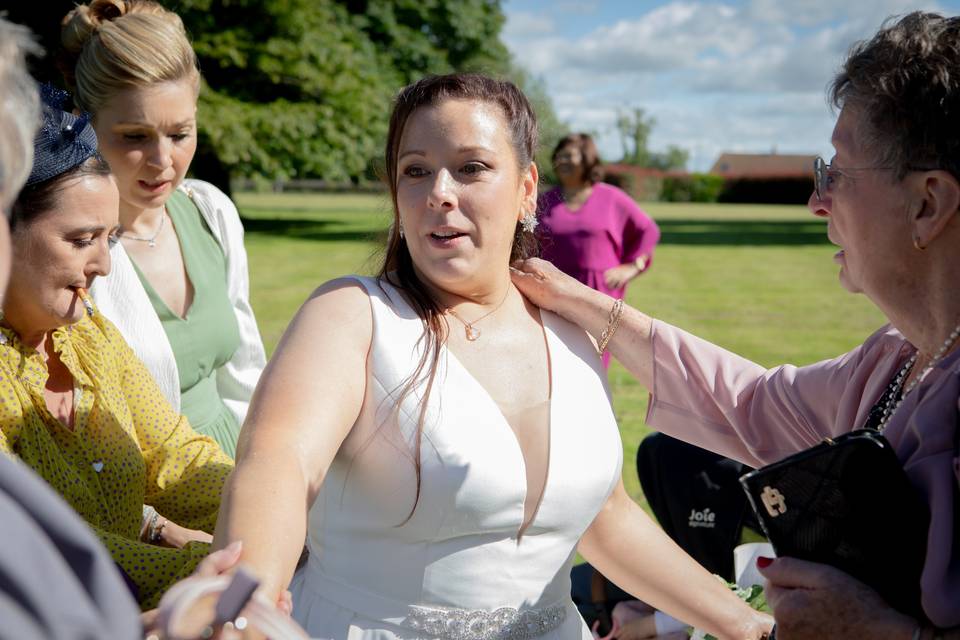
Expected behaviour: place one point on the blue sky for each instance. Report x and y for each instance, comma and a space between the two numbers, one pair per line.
722, 75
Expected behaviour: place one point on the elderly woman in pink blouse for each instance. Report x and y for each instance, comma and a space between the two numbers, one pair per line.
891, 197
591, 230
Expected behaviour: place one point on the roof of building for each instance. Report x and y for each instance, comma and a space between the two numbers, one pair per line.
763, 164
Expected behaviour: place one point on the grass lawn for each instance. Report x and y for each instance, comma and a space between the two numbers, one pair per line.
757, 279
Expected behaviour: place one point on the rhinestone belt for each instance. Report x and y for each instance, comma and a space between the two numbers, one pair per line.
504, 623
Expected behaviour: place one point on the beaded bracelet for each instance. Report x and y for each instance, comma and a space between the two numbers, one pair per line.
152, 537
613, 323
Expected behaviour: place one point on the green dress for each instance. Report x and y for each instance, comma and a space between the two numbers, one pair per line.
207, 337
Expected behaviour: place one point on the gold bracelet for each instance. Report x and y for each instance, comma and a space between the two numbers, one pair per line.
613, 323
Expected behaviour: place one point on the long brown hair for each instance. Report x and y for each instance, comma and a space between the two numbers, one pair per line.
397, 268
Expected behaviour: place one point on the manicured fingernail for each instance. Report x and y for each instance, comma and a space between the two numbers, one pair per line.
235, 546
763, 562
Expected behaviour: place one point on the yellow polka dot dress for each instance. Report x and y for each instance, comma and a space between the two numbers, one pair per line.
127, 448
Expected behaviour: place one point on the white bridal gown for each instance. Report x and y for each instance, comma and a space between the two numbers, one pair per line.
457, 568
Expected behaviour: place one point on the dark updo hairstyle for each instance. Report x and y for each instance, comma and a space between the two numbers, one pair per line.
397, 268
904, 84
42, 197
592, 169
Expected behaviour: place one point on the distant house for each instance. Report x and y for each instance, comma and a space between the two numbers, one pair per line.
765, 177
763, 165
642, 183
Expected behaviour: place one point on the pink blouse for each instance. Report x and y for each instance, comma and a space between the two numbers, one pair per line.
717, 400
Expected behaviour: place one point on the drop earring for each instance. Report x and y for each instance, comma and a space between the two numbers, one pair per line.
529, 222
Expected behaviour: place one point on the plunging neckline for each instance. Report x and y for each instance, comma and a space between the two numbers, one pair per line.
525, 522
186, 270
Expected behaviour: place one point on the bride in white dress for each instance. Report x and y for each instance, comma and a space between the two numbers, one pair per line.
444, 446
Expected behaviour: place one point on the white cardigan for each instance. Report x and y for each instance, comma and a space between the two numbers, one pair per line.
120, 296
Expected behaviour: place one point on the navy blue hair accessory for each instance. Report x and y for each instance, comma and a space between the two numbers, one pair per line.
64, 140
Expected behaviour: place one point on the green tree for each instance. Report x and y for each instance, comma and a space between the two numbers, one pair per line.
673, 158
434, 36
302, 88
634, 127
551, 127
293, 88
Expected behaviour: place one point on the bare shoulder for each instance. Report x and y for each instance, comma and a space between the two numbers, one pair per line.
341, 297
326, 344
337, 310
312, 390
348, 287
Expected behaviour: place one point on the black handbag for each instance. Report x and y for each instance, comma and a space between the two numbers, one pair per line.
847, 502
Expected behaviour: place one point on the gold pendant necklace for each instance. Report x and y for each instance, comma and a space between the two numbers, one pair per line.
470, 331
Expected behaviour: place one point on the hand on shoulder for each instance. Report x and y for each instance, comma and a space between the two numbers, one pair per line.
543, 284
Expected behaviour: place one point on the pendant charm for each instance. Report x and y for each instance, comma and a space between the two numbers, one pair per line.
98, 466
471, 333
151, 243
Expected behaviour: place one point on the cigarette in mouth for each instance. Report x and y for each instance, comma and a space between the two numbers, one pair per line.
85, 299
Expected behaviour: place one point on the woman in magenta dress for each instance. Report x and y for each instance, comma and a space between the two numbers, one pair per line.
593, 231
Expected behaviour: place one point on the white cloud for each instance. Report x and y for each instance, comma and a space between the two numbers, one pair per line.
524, 24
811, 13
717, 76
667, 38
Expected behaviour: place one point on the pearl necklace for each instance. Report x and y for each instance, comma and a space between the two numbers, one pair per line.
896, 398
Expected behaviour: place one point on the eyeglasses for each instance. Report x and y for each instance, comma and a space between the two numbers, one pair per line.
823, 174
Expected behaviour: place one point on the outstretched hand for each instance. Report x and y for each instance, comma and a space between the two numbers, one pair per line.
812, 600
192, 611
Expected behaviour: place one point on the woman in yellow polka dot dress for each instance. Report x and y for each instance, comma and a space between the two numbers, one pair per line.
76, 404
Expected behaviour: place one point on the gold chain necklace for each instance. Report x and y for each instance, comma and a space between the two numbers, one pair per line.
470, 331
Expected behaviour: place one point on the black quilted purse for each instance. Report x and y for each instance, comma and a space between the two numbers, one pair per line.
847, 502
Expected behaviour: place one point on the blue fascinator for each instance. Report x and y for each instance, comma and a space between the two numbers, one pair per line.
64, 140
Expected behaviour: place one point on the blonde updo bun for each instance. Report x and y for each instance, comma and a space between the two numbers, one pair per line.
84, 20
114, 45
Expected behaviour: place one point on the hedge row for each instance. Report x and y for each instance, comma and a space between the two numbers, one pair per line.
706, 187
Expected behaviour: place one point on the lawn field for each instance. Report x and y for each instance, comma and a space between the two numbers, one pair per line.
757, 279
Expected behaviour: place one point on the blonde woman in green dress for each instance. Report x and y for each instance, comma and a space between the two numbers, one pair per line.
179, 288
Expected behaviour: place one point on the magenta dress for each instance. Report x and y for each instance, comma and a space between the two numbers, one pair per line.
607, 231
